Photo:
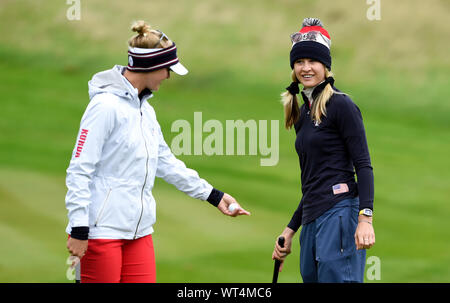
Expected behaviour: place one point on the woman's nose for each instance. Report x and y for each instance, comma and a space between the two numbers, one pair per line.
306, 66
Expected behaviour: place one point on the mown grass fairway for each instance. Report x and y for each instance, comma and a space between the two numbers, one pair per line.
395, 69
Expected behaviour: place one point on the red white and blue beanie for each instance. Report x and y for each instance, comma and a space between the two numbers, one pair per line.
150, 59
312, 42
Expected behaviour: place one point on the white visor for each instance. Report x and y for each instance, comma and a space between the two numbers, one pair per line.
179, 69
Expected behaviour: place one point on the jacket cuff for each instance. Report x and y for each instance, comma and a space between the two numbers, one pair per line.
80, 232
368, 204
294, 225
215, 196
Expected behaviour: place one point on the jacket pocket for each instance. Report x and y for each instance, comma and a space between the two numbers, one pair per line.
100, 213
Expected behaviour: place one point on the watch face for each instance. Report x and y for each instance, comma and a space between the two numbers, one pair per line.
367, 212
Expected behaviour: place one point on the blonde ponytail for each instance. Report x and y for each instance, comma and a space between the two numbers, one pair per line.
319, 105
290, 104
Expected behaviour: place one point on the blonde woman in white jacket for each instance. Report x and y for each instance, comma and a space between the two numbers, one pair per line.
119, 151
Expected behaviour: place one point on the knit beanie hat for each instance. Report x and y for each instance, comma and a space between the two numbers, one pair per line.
312, 41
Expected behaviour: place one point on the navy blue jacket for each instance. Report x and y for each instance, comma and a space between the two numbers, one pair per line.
329, 154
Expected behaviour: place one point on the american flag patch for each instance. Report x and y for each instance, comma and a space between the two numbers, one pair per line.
340, 188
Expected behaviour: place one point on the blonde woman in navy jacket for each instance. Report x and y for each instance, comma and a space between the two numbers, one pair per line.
335, 211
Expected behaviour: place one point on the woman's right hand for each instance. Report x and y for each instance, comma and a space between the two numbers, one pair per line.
77, 247
280, 253
226, 201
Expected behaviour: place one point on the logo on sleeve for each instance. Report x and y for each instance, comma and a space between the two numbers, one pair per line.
81, 142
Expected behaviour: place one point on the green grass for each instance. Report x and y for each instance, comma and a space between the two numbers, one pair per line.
237, 55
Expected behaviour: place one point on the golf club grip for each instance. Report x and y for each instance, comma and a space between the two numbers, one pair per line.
277, 262
281, 241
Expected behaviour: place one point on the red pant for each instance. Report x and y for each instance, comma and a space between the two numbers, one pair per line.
119, 261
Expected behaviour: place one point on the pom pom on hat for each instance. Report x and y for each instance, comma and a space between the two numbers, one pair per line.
312, 41
312, 22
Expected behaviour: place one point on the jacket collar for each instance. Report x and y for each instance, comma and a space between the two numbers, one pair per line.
142, 96
317, 90
113, 81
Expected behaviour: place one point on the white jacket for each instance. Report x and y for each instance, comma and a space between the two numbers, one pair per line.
119, 151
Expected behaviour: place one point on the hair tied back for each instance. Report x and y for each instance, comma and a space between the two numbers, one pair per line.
293, 89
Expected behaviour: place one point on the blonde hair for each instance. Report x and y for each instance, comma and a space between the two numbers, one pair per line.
290, 104
291, 108
147, 37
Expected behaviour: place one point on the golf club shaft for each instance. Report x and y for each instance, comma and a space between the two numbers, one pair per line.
78, 273
277, 262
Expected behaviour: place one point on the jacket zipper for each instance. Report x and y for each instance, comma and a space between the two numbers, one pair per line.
340, 231
145, 179
103, 208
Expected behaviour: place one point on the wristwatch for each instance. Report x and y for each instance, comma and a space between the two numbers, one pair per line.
366, 212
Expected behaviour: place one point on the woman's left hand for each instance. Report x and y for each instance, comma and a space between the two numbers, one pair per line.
226, 201
364, 235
